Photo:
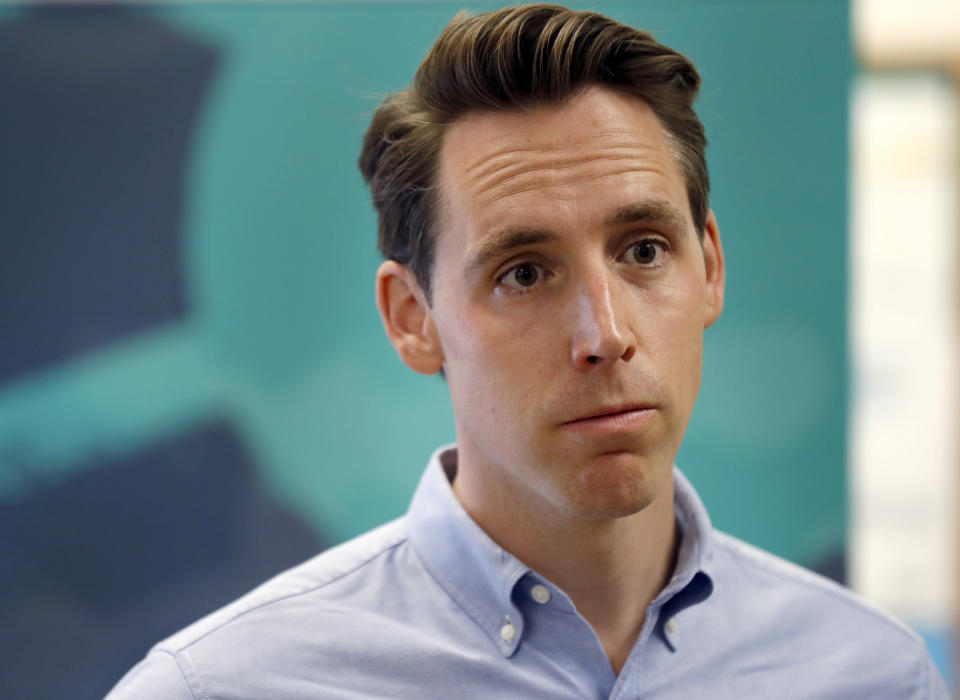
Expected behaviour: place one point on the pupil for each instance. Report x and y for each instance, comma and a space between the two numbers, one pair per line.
645, 252
526, 275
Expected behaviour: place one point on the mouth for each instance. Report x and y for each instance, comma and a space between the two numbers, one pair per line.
612, 419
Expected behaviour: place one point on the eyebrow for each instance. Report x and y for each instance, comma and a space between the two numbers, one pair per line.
503, 242
653, 210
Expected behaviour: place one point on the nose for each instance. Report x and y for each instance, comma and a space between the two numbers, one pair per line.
602, 334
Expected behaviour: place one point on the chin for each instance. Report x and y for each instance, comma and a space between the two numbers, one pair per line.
616, 485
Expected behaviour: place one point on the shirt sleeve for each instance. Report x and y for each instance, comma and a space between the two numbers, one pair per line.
158, 677
936, 686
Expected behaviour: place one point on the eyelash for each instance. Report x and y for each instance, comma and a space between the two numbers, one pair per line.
659, 243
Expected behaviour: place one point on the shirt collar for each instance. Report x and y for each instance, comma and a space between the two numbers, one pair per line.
481, 576
473, 569
692, 580
696, 532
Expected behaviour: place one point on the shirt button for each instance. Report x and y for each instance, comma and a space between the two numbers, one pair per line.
671, 626
508, 632
540, 593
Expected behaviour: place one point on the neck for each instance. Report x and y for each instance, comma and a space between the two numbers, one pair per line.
612, 569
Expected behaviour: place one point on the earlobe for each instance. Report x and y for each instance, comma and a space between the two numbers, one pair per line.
407, 318
716, 271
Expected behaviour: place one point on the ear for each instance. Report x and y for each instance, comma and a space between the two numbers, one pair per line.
716, 272
406, 318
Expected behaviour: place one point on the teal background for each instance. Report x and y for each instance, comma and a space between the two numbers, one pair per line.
283, 338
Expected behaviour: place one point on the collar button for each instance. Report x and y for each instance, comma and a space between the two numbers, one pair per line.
540, 593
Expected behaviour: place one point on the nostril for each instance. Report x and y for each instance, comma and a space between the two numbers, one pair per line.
593, 359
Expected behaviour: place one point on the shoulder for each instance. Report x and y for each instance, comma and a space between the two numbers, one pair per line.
317, 578
791, 618
775, 581
273, 624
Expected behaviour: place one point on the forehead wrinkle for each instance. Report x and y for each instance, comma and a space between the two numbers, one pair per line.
486, 162
491, 195
553, 164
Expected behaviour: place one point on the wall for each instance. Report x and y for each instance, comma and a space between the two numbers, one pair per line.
195, 390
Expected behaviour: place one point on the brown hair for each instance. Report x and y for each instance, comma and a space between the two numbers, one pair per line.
515, 58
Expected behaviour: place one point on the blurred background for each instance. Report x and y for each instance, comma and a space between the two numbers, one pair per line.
195, 390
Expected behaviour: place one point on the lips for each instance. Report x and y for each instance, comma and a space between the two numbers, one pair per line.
610, 413
612, 420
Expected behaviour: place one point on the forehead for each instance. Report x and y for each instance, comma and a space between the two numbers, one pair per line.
600, 149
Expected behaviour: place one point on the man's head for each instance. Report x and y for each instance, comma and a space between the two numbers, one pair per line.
514, 59
575, 263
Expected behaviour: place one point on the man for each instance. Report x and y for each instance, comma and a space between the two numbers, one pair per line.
542, 194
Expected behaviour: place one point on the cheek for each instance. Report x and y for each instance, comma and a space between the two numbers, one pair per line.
674, 330
469, 340
490, 342
496, 365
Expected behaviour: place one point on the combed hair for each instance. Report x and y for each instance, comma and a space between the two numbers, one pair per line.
513, 59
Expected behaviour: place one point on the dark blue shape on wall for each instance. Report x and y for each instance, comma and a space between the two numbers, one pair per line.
97, 568
97, 106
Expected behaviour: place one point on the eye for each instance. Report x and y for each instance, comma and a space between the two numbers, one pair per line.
646, 252
522, 276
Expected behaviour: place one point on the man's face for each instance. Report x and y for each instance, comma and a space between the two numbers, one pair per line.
570, 295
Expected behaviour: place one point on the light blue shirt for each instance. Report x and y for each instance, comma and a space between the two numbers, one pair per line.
428, 606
